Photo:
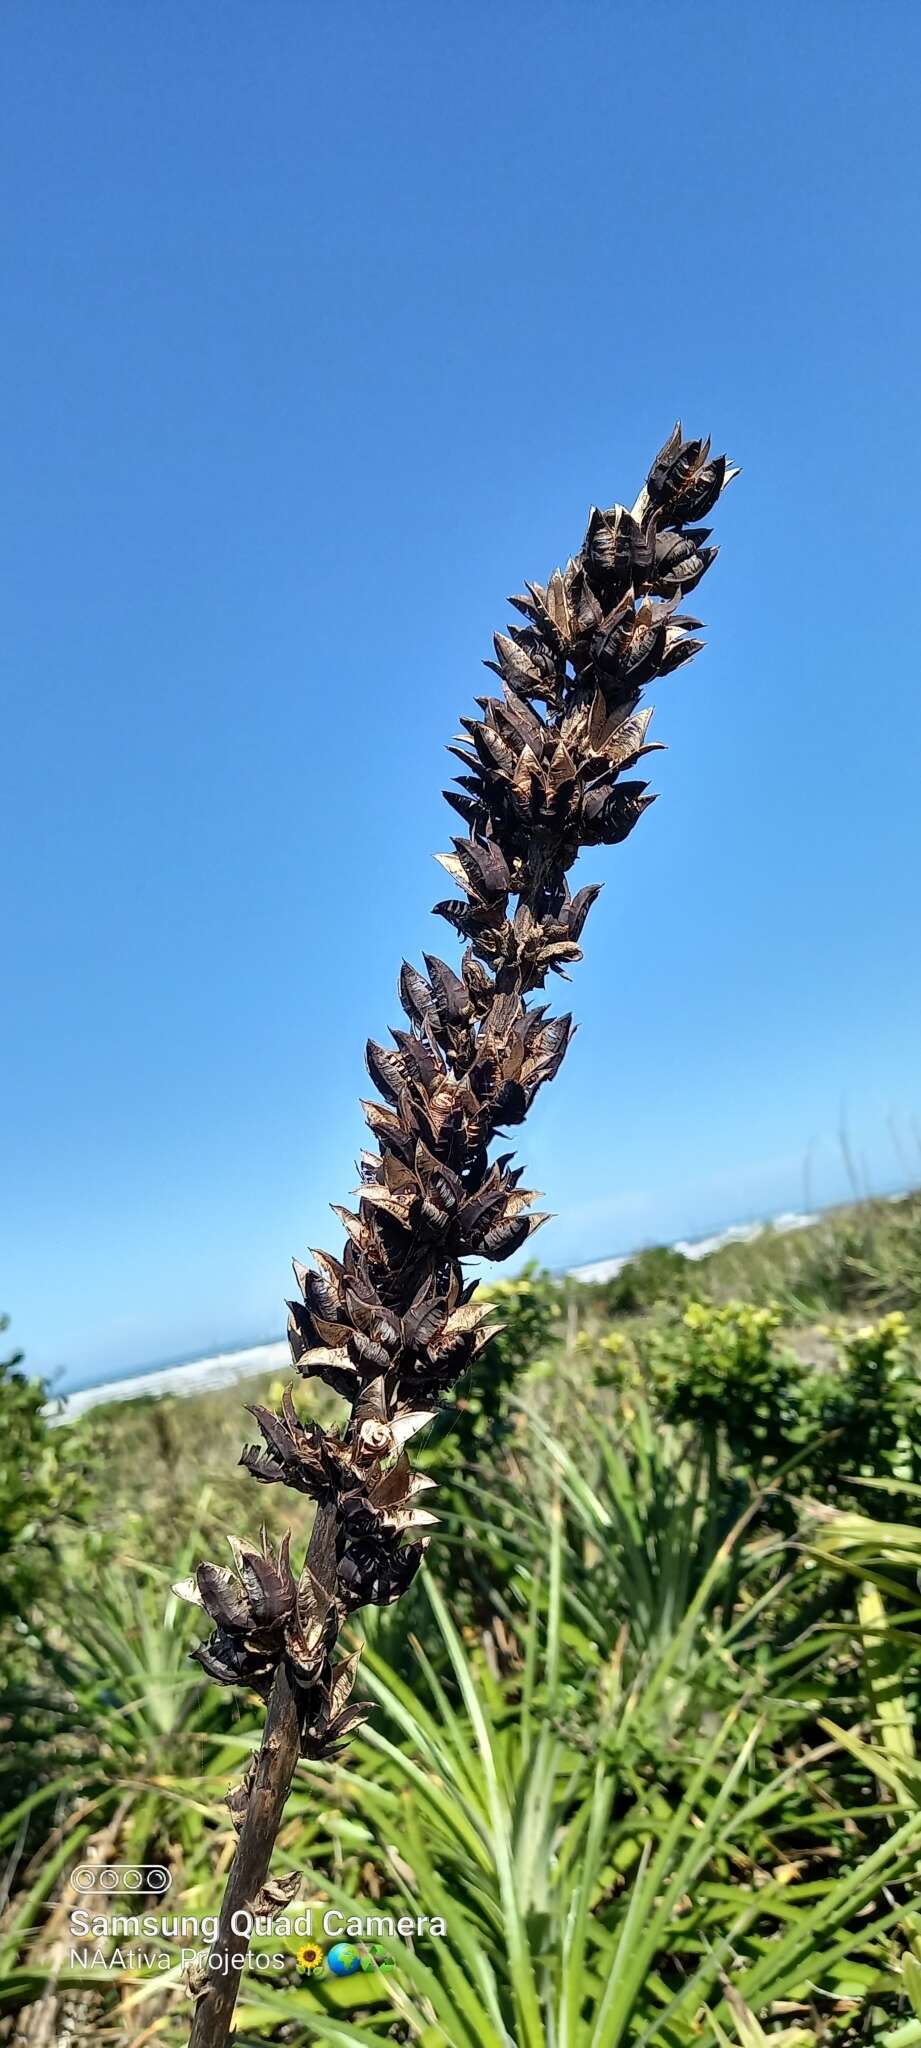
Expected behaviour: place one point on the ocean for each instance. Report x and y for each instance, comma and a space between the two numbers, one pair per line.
203, 1375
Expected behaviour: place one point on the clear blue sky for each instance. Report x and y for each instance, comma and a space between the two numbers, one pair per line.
323, 328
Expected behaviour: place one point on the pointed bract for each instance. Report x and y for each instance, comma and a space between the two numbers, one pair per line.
547, 768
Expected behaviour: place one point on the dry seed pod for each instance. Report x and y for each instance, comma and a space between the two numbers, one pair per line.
390, 1325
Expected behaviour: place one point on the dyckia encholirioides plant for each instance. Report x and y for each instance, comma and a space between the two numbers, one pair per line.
391, 1326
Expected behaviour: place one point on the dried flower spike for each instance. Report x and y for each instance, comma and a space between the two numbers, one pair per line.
546, 768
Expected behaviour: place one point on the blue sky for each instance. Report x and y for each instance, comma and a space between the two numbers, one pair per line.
323, 329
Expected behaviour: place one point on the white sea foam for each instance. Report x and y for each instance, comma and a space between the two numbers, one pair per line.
206, 1375
700, 1247
199, 1376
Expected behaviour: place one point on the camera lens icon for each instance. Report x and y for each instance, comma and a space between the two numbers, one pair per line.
124, 1877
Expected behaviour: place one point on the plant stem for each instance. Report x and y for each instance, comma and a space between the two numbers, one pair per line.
391, 1327
275, 1767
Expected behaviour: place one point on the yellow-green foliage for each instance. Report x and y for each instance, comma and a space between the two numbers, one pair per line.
610, 1762
720, 1367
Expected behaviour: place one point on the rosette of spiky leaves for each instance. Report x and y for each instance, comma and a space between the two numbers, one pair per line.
547, 768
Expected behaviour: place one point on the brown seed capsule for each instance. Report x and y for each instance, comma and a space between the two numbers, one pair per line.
390, 1326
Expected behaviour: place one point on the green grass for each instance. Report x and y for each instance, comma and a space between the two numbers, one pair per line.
645, 1727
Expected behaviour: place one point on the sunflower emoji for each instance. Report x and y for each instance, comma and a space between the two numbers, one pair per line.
309, 1957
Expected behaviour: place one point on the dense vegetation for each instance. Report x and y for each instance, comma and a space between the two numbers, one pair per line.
645, 1723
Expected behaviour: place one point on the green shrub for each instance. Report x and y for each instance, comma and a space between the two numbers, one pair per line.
870, 1408
30, 1493
720, 1368
658, 1274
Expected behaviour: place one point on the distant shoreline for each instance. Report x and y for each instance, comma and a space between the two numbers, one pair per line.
701, 1247
206, 1375
201, 1375
197, 1376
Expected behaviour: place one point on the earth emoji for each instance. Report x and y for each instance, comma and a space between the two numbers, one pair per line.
343, 1959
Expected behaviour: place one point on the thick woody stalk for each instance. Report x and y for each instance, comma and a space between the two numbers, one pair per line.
271, 1783
392, 1324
